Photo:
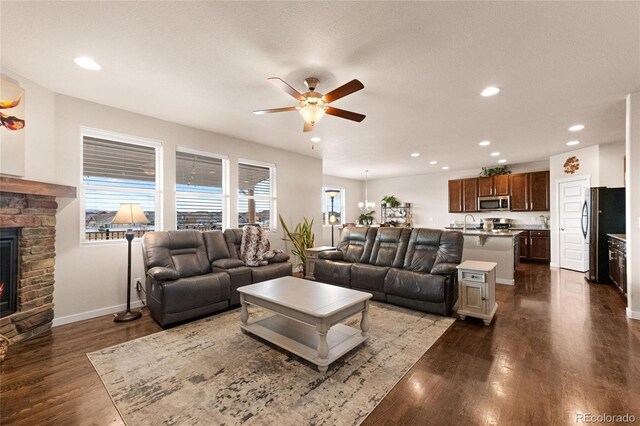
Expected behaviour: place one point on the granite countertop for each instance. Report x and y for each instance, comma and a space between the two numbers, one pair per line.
474, 227
621, 237
478, 232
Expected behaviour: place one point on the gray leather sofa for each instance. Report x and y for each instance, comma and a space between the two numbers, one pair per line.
415, 268
190, 274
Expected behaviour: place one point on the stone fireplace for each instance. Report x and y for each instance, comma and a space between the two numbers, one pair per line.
28, 210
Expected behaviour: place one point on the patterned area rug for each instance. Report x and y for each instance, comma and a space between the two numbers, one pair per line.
207, 372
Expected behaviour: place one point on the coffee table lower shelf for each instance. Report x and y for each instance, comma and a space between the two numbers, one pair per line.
302, 339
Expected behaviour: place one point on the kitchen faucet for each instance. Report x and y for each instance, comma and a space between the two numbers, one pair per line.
465, 222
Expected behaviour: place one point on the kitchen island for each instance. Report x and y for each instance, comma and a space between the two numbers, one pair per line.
489, 246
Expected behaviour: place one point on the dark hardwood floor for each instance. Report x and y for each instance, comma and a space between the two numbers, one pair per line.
558, 346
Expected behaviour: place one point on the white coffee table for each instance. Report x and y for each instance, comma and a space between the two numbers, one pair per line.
306, 317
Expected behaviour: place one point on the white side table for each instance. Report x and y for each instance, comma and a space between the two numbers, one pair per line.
477, 290
312, 256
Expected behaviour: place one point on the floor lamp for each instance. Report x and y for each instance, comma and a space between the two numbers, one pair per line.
129, 214
332, 193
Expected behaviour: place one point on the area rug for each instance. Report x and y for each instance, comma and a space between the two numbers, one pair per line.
208, 373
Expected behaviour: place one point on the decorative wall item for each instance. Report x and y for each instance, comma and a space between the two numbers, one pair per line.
12, 128
495, 171
571, 165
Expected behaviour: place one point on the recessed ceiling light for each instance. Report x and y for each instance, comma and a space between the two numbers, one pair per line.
415, 154
87, 63
315, 139
495, 154
484, 143
576, 127
490, 91
445, 168
571, 143
502, 160
433, 162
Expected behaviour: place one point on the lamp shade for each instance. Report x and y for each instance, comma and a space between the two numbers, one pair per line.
312, 113
130, 213
332, 193
332, 219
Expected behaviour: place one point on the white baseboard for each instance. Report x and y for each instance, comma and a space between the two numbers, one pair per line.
553, 265
633, 314
505, 282
93, 314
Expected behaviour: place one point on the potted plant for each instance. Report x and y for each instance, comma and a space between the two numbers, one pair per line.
366, 218
301, 238
390, 201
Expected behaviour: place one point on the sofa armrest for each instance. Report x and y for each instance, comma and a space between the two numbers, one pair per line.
161, 273
444, 268
279, 258
330, 255
227, 263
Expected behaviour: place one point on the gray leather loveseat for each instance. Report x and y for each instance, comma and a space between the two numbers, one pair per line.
415, 268
191, 273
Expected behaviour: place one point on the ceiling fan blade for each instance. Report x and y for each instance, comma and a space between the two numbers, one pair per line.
288, 89
353, 116
344, 90
269, 111
307, 127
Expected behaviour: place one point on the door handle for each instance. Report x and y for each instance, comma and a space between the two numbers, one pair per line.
584, 218
562, 229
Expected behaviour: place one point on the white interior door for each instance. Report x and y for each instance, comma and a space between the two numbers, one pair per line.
574, 247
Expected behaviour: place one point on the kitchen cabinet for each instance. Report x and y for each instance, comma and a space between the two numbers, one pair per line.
618, 263
535, 246
477, 290
470, 194
493, 185
529, 191
455, 196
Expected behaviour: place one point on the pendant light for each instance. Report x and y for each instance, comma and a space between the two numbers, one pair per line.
366, 205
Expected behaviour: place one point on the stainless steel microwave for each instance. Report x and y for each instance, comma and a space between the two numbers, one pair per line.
486, 204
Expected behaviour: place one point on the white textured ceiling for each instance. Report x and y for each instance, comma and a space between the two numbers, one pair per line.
423, 64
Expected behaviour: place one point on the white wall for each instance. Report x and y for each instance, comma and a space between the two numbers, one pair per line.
354, 193
39, 130
429, 196
633, 205
611, 163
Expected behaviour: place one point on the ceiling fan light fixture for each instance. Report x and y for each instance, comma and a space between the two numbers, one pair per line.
312, 113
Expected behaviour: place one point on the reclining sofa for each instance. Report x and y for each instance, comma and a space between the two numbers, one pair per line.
415, 268
191, 273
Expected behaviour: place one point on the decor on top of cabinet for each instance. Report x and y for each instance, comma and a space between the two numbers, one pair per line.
366, 218
495, 171
390, 201
571, 165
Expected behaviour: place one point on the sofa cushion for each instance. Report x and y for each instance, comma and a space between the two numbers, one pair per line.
183, 251
270, 271
333, 272
422, 249
233, 238
390, 247
356, 243
450, 251
416, 285
227, 263
189, 293
216, 245
368, 277
239, 277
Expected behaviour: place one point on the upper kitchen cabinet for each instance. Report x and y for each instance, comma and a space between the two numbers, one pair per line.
470, 194
493, 185
529, 191
463, 195
455, 196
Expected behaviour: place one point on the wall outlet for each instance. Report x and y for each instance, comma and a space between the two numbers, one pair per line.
138, 282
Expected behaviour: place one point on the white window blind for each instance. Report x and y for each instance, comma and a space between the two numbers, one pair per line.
200, 191
338, 206
116, 172
256, 194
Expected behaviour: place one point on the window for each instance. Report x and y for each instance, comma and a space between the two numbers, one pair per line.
201, 195
338, 205
118, 169
257, 194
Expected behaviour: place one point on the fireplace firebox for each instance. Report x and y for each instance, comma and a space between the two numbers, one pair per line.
9, 270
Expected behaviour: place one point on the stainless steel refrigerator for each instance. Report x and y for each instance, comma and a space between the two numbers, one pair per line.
603, 212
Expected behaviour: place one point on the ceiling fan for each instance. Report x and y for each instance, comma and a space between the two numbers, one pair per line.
314, 105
